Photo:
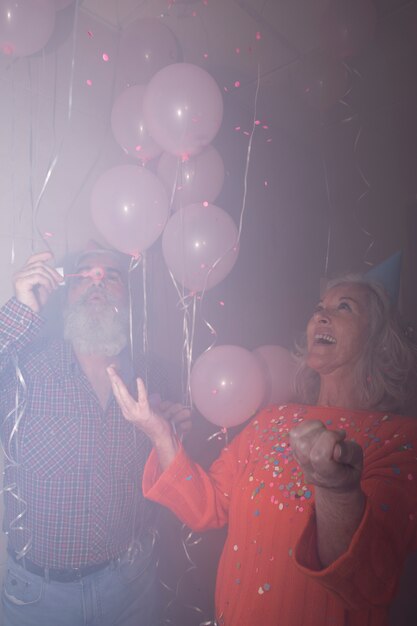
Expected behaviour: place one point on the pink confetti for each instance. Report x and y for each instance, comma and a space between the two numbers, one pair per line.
214, 392
221, 303
205, 55
47, 233
205, 203
90, 34
237, 127
257, 122
265, 127
266, 183
410, 477
258, 35
237, 50
89, 82
237, 83
105, 57
225, 89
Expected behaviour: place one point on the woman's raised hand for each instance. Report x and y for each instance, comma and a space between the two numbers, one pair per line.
326, 458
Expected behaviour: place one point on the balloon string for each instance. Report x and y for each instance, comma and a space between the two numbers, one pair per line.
248, 154
134, 262
13, 173
235, 246
329, 204
184, 303
145, 343
178, 172
54, 160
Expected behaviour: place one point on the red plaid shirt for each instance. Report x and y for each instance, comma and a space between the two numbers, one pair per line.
73, 478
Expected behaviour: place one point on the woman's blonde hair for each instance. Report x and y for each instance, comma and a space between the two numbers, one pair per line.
386, 374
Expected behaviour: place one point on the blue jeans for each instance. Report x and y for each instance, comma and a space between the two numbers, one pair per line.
121, 594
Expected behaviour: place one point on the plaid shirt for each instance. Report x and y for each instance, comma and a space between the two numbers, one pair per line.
73, 477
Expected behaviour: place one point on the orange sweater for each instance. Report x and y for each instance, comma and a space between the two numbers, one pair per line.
269, 573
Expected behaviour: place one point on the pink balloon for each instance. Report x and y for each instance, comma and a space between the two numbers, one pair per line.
129, 207
199, 178
147, 45
348, 26
25, 26
200, 246
183, 108
62, 4
227, 385
129, 128
279, 367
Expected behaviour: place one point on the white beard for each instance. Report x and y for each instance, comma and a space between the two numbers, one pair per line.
100, 329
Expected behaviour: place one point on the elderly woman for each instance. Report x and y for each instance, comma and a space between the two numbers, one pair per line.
320, 498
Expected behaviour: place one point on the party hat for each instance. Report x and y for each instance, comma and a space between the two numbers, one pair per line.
388, 275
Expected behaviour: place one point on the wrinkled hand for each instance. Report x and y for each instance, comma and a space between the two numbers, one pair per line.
35, 281
155, 423
326, 458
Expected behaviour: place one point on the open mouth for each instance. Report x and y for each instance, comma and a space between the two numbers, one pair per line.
324, 339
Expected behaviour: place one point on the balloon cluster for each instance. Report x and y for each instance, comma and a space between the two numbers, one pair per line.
171, 110
176, 109
346, 28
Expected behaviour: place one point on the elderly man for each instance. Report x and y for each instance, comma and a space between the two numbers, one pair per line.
80, 540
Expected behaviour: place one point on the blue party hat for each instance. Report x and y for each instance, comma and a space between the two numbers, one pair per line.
388, 275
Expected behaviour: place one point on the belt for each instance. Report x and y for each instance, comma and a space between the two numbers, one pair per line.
59, 575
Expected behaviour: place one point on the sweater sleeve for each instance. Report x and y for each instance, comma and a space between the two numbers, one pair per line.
200, 499
367, 574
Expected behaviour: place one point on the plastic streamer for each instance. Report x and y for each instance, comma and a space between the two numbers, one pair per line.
188, 540
11, 455
361, 197
12, 459
351, 118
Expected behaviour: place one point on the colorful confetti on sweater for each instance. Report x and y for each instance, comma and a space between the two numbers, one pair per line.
269, 573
